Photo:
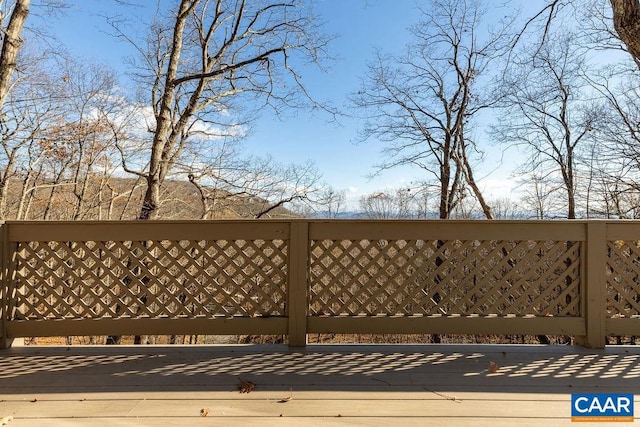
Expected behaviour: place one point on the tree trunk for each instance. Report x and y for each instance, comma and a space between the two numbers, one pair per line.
166, 130
204, 200
471, 181
151, 200
4, 185
11, 46
626, 21
571, 211
445, 178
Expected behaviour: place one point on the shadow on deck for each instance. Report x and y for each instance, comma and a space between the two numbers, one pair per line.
436, 368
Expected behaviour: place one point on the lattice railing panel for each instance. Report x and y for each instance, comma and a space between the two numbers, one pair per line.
182, 278
623, 278
417, 277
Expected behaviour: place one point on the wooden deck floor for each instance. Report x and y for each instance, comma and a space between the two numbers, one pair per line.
319, 385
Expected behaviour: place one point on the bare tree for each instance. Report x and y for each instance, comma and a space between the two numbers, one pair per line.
422, 103
212, 60
331, 203
234, 185
90, 92
547, 111
33, 104
615, 161
402, 203
506, 208
382, 205
21, 125
540, 196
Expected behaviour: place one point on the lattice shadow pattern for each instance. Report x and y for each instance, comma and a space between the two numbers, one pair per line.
172, 279
417, 277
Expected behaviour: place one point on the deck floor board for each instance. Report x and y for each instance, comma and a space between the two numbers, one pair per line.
319, 385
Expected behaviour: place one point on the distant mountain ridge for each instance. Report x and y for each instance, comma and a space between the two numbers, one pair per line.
121, 199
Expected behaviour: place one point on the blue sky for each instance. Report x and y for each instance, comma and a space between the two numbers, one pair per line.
360, 26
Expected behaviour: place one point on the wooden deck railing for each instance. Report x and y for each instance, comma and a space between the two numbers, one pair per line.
578, 278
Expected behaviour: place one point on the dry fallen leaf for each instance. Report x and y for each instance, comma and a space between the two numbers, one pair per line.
5, 420
204, 412
493, 367
288, 398
246, 386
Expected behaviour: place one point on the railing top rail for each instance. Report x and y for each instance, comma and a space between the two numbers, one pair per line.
570, 230
448, 230
146, 230
623, 230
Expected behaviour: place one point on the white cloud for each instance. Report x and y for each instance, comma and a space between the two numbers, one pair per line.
499, 188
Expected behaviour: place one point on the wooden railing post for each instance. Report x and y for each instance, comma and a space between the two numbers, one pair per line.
594, 289
298, 255
5, 342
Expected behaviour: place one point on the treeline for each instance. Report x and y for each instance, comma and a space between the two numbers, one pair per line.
561, 85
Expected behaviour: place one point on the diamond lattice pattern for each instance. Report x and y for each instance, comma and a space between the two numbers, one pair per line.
149, 279
623, 278
417, 277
